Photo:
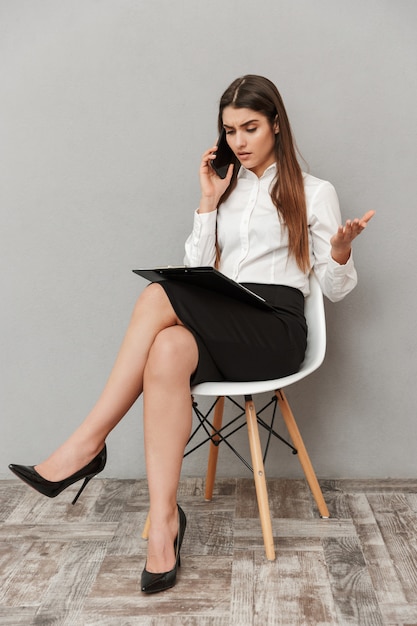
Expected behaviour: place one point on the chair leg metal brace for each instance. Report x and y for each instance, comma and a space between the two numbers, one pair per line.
259, 477
296, 438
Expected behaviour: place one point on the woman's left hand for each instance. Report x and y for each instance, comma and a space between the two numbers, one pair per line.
341, 242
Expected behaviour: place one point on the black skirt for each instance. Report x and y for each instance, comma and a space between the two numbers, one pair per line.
240, 342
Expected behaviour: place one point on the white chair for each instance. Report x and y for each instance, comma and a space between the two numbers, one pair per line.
316, 347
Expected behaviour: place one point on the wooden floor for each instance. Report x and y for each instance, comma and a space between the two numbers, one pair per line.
81, 565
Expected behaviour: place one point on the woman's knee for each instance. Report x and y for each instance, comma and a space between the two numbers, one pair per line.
152, 294
174, 353
154, 299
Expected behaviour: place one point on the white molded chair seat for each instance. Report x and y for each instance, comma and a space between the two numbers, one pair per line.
314, 356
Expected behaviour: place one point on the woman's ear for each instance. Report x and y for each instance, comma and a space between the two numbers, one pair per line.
276, 125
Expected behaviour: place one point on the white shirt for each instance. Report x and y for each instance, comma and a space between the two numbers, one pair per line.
254, 245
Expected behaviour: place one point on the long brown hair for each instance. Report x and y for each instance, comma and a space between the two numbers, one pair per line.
287, 194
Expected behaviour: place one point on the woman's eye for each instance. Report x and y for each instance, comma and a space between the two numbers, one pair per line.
251, 130
229, 132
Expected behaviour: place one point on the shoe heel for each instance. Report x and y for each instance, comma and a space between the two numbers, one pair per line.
83, 486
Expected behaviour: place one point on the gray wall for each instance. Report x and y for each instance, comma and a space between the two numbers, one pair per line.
105, 108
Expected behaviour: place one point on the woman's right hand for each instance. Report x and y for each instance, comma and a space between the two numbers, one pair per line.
212, 186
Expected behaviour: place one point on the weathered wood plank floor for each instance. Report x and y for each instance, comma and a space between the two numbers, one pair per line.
81, 565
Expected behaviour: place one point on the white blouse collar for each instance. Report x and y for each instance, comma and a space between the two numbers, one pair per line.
269, 173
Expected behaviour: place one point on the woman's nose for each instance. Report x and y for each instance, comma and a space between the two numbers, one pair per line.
240, 139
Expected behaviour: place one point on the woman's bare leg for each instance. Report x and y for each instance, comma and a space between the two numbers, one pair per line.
153, 312
167, 425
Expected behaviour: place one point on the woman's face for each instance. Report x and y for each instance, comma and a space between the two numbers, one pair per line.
250, 136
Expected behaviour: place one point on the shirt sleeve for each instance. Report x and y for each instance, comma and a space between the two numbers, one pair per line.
200, 247
336, 280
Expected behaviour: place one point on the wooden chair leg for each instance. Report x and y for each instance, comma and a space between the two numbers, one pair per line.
145, 531
302, 453
259, 477
214, 449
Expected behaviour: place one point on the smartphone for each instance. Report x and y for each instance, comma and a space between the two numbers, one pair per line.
224, 156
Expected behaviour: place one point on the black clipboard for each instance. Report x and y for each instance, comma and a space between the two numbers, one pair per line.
206, 277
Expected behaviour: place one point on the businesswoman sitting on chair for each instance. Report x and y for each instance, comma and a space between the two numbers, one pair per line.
266, 225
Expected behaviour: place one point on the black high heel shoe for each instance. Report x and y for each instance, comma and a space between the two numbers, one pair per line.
152, 583
29, 475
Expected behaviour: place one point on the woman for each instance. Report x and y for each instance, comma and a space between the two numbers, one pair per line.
265, 225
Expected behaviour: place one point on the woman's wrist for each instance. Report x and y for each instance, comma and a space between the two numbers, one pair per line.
207, 204
341, 255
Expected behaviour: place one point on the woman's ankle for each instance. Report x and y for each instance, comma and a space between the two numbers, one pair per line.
69, 458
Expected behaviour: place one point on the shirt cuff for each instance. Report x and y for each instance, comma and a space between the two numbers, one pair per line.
204, 223
337, 268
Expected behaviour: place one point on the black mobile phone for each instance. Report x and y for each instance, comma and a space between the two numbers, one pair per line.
224, 156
